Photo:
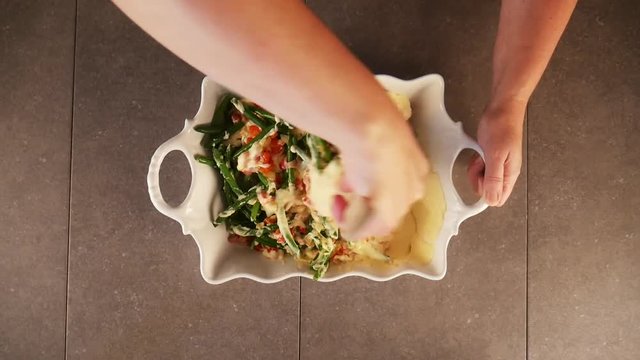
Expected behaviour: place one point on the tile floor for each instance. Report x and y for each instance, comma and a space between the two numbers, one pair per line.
89, 270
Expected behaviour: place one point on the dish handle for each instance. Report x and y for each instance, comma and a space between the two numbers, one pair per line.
153, 177
466, 142
189, 212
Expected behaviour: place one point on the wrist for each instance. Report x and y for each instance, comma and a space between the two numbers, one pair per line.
507, 102
515, 107
368, 127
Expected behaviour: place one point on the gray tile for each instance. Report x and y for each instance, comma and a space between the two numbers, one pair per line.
478, 310
584, 191
36, 72
135, 287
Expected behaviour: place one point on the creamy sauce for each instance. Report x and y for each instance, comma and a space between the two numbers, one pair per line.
414, 239
324, 186
402, 103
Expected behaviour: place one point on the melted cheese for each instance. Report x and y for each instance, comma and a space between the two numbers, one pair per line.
414, 239
324, 186
402, 103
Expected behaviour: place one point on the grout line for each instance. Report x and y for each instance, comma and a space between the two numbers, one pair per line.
299, 318
73, 100
526, 281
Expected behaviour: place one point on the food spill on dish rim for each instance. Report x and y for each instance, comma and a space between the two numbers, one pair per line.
310, 192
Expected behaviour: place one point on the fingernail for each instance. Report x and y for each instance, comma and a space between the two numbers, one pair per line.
339, 206
492, 198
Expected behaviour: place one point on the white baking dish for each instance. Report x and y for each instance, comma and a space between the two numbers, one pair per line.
220, 261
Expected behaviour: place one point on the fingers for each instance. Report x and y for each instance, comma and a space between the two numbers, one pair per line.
339, 208
373, 225
475, 172
511, 173
506, 191
493, 183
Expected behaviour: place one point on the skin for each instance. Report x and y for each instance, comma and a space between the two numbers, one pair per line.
280, 55
528, 33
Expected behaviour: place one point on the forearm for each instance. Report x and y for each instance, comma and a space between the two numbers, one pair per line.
528, 33
275, 52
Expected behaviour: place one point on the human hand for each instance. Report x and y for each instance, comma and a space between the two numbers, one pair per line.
500, 137
386, 167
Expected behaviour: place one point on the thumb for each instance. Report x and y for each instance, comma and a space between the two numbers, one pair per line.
493, 180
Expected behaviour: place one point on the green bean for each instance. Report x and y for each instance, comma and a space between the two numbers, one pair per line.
234, 128
320, 263
220, 113
290, 171
284, 128
204, 160
263, 180
206, 142
255, 211
283, 225
231, 209
246, 213
321, 154
267, 241
263, 113
229, 196
265, 132
315, 155
225, 171
217, 124
208, 129
268, 229
242, 230
298, 151
249, 113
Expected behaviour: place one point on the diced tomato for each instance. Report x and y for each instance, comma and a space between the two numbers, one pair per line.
270, 220
266, 157
266, 169
276, 146
237, 239
253, 130
340, 251
302, 230
279, 236
283, 164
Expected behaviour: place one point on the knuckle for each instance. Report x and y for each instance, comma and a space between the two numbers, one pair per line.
511, 178
489, 179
